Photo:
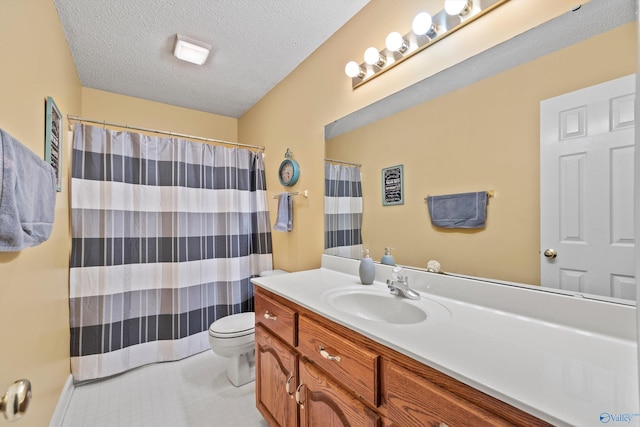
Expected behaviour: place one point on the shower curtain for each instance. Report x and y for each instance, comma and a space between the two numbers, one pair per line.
343, 210
166, 234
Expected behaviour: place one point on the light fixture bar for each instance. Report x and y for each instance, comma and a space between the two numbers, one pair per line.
444, 24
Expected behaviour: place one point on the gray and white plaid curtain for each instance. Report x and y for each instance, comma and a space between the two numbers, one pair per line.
342, 210
166, 235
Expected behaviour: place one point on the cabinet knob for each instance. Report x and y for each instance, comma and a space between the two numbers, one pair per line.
269, 316
289, 391
324, 353
298, 394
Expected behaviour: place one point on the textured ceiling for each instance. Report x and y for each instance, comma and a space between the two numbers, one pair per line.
126, 46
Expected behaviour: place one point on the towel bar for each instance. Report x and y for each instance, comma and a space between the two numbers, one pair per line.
301, 193
490, 193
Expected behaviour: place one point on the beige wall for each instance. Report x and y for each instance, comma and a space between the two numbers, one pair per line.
106, 106
484, 136
293, 114
34, 302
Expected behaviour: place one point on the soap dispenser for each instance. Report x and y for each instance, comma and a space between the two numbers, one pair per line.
387, 258
367, 268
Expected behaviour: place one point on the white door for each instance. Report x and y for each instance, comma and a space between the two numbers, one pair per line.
586, 190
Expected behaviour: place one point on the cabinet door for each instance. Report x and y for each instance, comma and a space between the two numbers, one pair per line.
415, 401
276, 379
325, 404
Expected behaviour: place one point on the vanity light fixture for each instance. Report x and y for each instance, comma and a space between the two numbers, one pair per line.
373, 57
191, 50
426, 29
457, 7
423, 24
396, 43
353, 69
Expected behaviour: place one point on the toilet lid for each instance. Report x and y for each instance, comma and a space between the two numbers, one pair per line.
235, 324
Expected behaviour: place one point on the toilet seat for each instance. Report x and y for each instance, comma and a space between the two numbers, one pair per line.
233, 326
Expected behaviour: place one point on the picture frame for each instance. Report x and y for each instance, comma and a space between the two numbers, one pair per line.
53, 139
393, 185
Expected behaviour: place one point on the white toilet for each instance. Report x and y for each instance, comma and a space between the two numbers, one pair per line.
233, 337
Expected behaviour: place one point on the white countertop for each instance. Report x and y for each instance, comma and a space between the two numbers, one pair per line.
562, 374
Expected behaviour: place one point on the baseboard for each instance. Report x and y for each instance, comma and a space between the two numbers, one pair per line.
63, 402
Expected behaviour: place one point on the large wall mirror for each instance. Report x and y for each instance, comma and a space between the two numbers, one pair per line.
477, 127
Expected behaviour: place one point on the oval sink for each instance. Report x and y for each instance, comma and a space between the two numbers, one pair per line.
379, 305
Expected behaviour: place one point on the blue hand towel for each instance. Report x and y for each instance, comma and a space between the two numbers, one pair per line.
284, 221
27, 196
465, 210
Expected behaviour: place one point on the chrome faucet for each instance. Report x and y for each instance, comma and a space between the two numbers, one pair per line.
400, 285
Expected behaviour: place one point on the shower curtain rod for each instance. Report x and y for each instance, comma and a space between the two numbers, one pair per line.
163, 132
342, 162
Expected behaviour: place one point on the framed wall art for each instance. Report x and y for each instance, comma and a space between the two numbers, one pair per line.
393, 185
53, 139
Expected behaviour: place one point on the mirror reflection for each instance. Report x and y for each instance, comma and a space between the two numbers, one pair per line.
487, 135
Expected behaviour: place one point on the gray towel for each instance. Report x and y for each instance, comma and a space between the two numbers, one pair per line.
27, 196
284, 221
465, 210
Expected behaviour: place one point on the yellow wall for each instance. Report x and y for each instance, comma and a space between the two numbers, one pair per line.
484, 136
34, 302
294, 113
110, 107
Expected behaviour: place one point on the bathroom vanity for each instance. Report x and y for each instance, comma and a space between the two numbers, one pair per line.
330, 351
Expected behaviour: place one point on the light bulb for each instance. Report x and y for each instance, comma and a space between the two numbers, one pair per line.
352, 69
372, 56
422, 23
457, 7
395, 42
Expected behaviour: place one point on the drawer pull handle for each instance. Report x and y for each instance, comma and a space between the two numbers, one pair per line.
298, 401
270, 316
289, 392
327, 356
443, 425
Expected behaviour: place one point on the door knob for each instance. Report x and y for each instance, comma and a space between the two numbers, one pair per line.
15, 402
550, 253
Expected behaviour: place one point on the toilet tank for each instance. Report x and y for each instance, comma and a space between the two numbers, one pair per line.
267, 273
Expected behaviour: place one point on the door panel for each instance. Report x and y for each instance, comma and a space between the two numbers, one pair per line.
586, 189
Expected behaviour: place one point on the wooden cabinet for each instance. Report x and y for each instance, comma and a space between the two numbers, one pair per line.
353, 366
324, 403
280, 318
276, 379
414, 401
311, 371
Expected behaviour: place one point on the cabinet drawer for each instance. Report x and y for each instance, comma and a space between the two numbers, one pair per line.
281, 320
355, 367
413, 400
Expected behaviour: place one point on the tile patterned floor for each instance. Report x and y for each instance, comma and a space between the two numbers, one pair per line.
192, 392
